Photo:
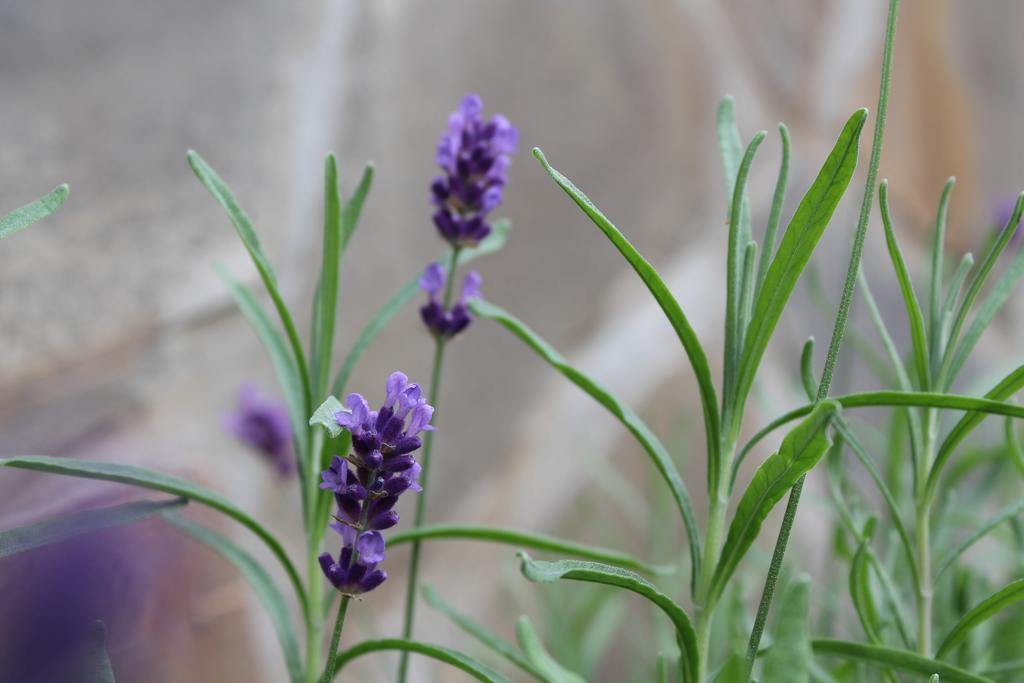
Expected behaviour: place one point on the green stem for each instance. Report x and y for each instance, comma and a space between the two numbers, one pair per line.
332, 654
924, 590
412, 586
838, 332
314, 621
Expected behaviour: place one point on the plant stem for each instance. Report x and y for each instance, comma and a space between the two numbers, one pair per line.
314, 622
332, 654
924, 590
412, 586
838, 332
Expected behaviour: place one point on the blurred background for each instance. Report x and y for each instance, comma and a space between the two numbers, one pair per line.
119, 342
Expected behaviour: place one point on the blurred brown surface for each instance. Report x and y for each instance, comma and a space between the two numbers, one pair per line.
120, 343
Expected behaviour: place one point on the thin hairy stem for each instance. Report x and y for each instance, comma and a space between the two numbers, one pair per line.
412, 587
838, 332
332, 653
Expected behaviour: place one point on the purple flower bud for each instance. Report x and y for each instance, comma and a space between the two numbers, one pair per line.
371, 547
384, 520
474, 155
441, 323
262, 424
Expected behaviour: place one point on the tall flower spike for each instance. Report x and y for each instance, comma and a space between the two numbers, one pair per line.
368, 482
262, 424
444, 323
474, 155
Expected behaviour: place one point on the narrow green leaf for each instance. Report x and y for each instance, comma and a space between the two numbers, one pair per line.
353, 208
980, 613
33, 212
667, 302
266, 592
956, 286
65, 526
917, 331
1006, 388
441, 654
593, 572
730, 146
1007, 513
324, 416
481, 633
807, 376
778, 200
799, 452
282, 360
861, 593
897, 659
526, 539
946, 373
734, 670
159, 481
325, 302
801, 237
492, 243
789, 660
551, 670
651, 444
1013, 444
747, 287
894, 398
243, 226
1000, 293
739, 236
938, 265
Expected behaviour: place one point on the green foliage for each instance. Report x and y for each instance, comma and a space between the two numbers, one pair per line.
442, 654
21, 218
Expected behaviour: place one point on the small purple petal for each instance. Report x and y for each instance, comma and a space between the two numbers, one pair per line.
371, 547
432, 280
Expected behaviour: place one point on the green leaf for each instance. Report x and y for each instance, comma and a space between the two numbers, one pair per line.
526, 539
802, 235
492, 243
324, 416
734, 670
789, 660
731, 147
739, 236
935, 314
651, 444
267, 593
551, 671
1000, 293
1007, 513
897, 659
62, 527
807, 376
667, 302
946, 372
339, 225
980, 613
243, 226
325, 301
799, 452
594, 572
1006, 388
861, 590
778, 200
33, 212
481, 633
917, 331
159, 481
894, 398
441, 654
280, 358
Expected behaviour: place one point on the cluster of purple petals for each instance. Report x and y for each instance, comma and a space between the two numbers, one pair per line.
368, 482
446, 323
475, 155
261, 423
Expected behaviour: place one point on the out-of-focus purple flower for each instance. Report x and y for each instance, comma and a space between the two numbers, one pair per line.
1002, 214
475, 155
444, 323
261, 422
368, 482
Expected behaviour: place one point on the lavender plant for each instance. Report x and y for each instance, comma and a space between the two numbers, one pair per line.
353, 464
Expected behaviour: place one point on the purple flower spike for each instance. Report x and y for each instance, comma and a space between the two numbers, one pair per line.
475, 155
262, 424
368, 483
442, 323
